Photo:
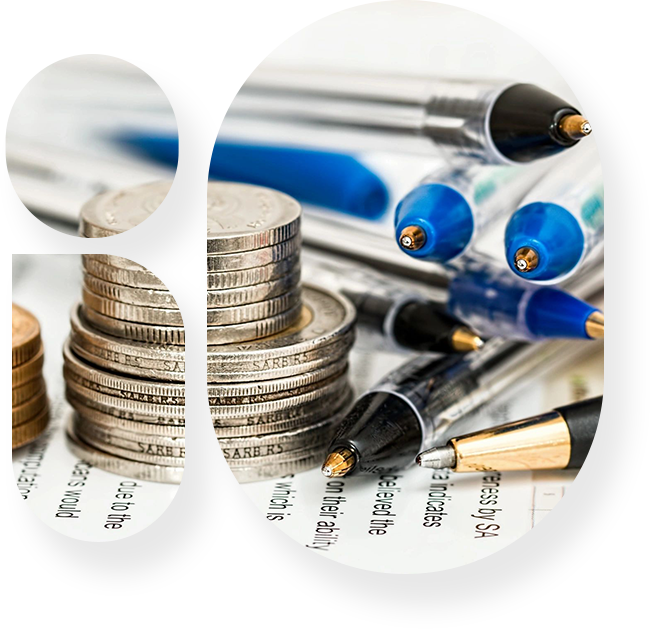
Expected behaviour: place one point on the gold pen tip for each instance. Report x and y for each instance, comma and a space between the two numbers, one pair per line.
338, 463
465, 340
412, 238
595, 325
526, 259
574, 127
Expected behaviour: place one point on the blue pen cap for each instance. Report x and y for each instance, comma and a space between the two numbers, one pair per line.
444, 216
553, 232
554, 313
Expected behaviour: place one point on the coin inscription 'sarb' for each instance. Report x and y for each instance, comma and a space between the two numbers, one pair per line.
25, 335
243, 217
117, 211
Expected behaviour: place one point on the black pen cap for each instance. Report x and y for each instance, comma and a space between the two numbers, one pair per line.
524, 123
382, 431
422, 326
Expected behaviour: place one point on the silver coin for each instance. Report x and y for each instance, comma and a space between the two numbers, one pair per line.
254, 258
265, 387
243, 295
110, 422
251, 474
325, 318
141, 332
127, 409
259, 398
298, 417
123, 467
130, 357
117, 211
129, 388
243, 217
128, 312
124, 453
256, 275
126, 277
127, 438
130, 295
281, 457
282, 367
247, 313
241, 332
219, 412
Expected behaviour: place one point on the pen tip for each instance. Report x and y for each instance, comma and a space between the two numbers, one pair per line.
437, 458
338, 463
595, 325
526, 259
574, 127
412, 238
465, 340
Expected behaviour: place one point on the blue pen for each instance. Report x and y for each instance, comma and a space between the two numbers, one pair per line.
495, 303
327, 179
561, 221
440, 218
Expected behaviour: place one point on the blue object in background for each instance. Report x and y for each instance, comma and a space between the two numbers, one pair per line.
495, 303
553, 232
331, 180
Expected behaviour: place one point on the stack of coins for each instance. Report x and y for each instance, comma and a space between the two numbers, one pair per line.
29, 407
124, 362
117, 211
277, 383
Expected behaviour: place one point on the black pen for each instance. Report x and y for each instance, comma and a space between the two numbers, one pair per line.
497, 122
560, 439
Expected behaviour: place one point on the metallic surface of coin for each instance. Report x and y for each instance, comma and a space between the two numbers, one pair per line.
28, 370
251, 474
256, 275
25, 335
128, 312
29, 409
27, 432
26, 390
117, 211
253, 258
141, 332
242, 332
266, 309
127, 277
243, 217
224, 298
130, 295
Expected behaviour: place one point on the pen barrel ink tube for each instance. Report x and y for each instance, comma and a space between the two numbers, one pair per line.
496, 304
454, 206
494, 122
560, 223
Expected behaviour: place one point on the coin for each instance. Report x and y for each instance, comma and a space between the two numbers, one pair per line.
239, 296
117, 211
241, 332
253, 258
25, 335
243, 217
127, 277
28, 370
130, 294
26, 390
27, 432
128, 312
28, 410
123, 467
246, 313
141, 332
302, 463
250, 277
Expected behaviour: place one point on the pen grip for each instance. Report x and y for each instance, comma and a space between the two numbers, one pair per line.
582, 421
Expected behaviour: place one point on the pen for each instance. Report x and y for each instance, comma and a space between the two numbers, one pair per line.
497, 122
439, 219
557, 440
399, 417
560, 222
324, 178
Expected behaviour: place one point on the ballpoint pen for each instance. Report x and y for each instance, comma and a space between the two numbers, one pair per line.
441, 217
325, 178
497, 122
560, 439
403, 414
560, 222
